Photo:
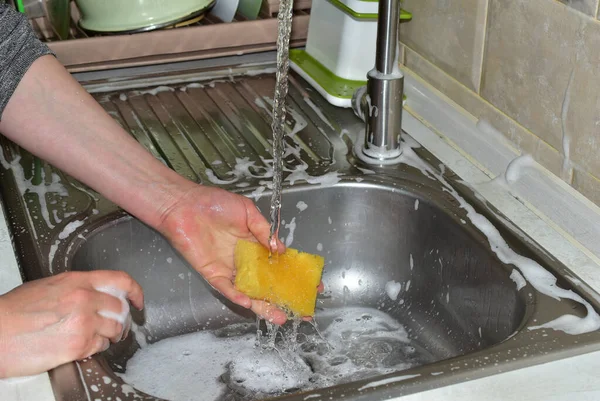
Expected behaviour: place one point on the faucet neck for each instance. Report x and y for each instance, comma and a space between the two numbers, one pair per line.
382, 101
386, 57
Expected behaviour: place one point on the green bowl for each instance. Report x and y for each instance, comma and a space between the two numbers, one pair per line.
136, 15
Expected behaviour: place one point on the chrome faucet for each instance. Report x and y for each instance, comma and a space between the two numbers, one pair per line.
379, 104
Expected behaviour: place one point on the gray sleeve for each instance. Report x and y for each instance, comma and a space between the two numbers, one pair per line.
19, 48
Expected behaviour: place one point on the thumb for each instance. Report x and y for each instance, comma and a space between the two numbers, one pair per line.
259, 227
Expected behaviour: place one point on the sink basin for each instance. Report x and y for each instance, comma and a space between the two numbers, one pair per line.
415, 296
455, 297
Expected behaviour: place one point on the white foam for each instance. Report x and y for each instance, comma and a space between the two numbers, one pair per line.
241, 170
51, 253
365, 170
290, 237
140, 337
325, 180
70, 229
393, 288
416, 204
319, 247
566, 173
518, 279
542, 280
515, 168
26, 186
217, 181
157, 90
124, 317
300, 123
257, 193
268, 371
354, 343
387, 381
301, 205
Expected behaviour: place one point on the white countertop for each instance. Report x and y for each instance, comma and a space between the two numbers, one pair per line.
456, 139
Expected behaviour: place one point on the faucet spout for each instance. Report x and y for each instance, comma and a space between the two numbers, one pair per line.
380, 104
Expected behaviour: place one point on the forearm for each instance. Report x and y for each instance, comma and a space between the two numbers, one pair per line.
52, 116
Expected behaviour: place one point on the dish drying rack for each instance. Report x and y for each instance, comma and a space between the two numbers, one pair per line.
210, 37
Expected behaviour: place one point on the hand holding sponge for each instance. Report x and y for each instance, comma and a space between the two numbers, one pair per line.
288, 280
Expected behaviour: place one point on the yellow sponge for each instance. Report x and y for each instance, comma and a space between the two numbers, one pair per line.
288, 280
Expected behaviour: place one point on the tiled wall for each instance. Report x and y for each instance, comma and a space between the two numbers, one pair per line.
529, 67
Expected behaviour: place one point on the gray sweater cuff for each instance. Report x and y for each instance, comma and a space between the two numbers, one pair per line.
19, 48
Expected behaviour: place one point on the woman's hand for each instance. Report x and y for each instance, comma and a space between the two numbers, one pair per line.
204, 225
46, 323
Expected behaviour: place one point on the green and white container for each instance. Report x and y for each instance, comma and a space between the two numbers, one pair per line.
340, 48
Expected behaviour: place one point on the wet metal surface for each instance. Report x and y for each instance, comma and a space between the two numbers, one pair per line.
213, 127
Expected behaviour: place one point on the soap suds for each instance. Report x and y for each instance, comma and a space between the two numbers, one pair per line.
365, 170
290, 237
301, 206
70, 229
566, 171
515, 169
327, 179
26, 186
243, 168
518, 279
392, 289
257, 193
124, 317
156, 90
387, 381
354, 343
542, 280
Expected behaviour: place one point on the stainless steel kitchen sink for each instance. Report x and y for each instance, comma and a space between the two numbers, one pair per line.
395, 239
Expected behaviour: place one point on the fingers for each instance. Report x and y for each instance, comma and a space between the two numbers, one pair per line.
109, 329
269, 312
121, 281
106, 302
261, 308
115, 312
260, 227
99, 344
225, 287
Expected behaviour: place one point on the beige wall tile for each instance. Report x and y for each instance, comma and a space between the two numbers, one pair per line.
524, 140
450, 34
588, 185
533, 47
585, 6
